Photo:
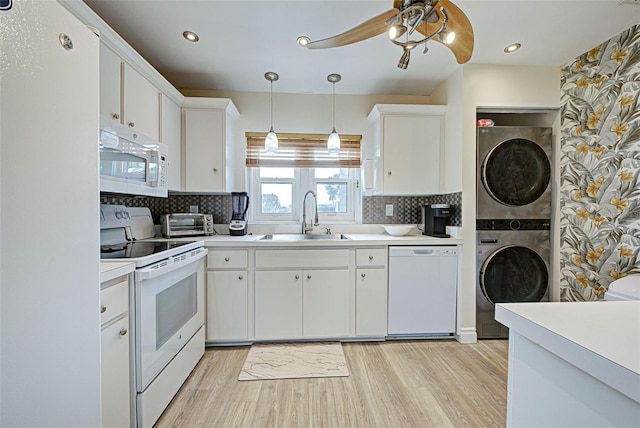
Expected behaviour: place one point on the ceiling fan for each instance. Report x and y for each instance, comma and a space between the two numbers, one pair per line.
409, 24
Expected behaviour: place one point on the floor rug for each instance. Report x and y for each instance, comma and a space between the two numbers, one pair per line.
294, 360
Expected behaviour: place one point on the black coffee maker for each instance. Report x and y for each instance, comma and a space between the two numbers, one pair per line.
435, 218
240, 205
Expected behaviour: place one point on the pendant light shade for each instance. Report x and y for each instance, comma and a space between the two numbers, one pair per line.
271, 140
333, 143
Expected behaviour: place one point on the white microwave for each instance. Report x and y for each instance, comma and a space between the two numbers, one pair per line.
130, 162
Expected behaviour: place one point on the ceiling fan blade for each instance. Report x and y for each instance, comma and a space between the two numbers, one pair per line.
462, 46
366, 30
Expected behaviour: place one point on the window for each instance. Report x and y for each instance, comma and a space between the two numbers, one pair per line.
279, 181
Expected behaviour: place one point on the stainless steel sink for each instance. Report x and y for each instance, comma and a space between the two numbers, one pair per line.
301, 237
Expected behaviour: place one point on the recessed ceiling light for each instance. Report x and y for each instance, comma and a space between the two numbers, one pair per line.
190, 36
512, 47
303, 41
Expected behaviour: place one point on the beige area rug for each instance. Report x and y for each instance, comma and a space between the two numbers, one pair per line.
294, 360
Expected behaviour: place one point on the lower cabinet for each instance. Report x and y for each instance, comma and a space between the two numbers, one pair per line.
302, 303
114, 313
371, 302
227, 305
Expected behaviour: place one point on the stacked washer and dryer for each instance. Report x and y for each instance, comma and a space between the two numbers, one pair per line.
513, 220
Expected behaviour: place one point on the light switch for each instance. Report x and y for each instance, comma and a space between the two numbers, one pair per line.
389, 210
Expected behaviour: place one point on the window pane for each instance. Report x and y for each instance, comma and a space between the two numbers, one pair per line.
332, 197
277, 172
276, 198
331, 172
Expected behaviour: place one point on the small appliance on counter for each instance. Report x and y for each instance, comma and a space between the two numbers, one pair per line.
240, 204
435, 218
186, 224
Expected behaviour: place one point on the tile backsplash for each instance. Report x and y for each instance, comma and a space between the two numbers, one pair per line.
406, 209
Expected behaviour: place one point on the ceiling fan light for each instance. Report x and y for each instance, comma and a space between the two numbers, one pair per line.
396, 30
303, 41
447, 37
333, 143
404, 59
271, 142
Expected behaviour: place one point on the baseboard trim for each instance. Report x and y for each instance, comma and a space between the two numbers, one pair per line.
467, 335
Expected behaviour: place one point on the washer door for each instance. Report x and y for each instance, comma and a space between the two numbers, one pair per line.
514, 274
516, 172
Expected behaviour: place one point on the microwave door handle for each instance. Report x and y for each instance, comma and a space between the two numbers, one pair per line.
157, 269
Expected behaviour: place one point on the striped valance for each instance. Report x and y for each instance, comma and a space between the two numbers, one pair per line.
303, 151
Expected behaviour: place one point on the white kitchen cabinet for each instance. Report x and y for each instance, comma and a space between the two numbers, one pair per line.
115, 348
304, 293
126, 96
408, 144
371, 292
227, 305
207, 126
227, 295
170, 135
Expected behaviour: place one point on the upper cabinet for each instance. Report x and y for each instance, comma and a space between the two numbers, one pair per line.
170, 135
408, 143
126, 96
207, 126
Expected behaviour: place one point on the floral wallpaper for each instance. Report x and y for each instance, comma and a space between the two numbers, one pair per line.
600, 167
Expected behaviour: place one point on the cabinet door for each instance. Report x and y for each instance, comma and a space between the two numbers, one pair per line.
278, 304
371, 302
140, 107
110, 83
411, 155
170, 135
227, 305
115, 374
326, 303
204, 152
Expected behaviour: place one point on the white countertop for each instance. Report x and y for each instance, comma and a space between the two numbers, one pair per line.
600, 338
355, 239
111, 270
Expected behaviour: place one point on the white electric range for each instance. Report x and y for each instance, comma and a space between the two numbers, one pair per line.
167, 305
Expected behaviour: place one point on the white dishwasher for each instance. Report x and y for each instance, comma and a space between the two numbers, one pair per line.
422, 291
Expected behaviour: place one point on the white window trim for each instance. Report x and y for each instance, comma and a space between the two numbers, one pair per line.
303, 181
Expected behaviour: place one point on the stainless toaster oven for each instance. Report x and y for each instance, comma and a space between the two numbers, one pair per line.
186, 224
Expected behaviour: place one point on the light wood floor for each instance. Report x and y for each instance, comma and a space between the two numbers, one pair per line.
391, 384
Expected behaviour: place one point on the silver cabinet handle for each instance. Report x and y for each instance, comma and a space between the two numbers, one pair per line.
363, 275
389, 173
103, 309
240, 277
370, 258
215, 170
115, 116
308, 276
123, 332
297, 276
226, 259
131, 124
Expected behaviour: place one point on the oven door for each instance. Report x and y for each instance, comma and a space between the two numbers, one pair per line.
169, 310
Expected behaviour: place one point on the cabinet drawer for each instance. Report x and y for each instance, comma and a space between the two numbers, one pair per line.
227, 259
114, 301
371, 257
302, 258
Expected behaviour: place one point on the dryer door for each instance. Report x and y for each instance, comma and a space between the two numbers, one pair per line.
514, 274
516, 172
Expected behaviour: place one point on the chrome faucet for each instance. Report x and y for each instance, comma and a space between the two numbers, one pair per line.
304, 212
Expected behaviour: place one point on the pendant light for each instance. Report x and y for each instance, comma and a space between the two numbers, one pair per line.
333, 143
271, 141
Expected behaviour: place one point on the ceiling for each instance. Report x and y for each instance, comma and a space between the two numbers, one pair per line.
241, 40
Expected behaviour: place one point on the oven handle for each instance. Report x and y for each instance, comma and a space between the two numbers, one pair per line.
171, 264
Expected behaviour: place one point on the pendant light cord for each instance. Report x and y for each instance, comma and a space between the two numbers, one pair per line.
334, 106
271, 105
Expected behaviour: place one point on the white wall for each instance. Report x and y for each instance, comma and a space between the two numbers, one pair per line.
303, 113
486, 86
49, 238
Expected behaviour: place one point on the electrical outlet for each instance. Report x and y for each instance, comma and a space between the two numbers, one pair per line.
193, 208
389, 210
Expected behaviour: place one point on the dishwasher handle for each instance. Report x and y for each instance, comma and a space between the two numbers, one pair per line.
427, 252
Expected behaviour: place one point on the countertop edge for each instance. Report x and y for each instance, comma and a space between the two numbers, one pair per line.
608, 371
112, 270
